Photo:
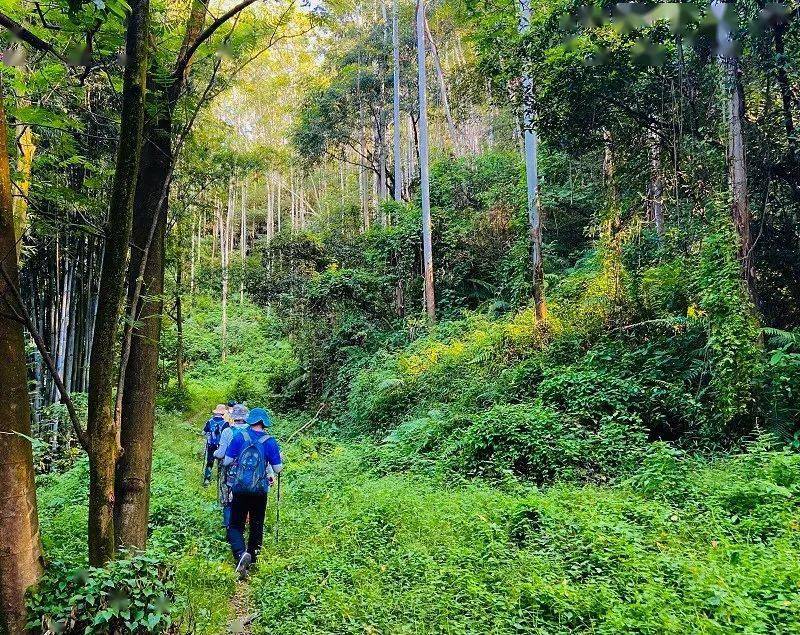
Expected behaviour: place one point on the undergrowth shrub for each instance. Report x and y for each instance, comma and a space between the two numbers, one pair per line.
131, 595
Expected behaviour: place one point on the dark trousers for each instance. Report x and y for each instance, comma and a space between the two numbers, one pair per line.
243, 504
210, 449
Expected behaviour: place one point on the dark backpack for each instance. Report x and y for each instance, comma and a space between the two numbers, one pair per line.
249, 473
216, 431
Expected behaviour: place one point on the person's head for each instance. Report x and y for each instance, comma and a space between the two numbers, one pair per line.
259, 419
220, 411
231, 403
239, 413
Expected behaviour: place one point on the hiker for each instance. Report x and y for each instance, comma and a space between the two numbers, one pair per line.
238, 415
228, 408
213, 433
251, 453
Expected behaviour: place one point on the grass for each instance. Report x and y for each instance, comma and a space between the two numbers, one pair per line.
685, 546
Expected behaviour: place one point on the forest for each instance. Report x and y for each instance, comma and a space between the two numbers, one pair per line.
513, 286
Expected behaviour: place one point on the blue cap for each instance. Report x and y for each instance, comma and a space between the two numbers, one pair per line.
259, 415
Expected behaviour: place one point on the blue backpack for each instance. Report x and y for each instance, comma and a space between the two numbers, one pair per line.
249, 474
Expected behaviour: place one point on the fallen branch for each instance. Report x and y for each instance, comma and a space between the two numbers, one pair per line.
48, 360
306, 425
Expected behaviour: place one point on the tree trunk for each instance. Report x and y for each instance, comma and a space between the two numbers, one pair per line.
102, 433
425, 186
778, 31
737, 169
20, 548
243, 240
738, 174
532, 181
179, 326
24, 168
655, 196
398, 167
131, 498
225, 253
448, 116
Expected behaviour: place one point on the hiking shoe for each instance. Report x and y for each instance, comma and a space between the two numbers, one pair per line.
206, 482
244, 564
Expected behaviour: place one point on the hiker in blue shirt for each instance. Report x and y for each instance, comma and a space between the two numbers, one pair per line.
213, 432
252, 453
238, 414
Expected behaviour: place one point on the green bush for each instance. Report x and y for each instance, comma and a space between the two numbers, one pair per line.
131, 595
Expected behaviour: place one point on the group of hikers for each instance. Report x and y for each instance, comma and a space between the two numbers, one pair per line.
249, 461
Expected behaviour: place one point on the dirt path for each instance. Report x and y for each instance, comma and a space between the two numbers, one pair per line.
241, 624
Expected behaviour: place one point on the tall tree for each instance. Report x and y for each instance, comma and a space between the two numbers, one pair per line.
398, 167
724, 12
138, 383
424, 168
532, 179
137, 417
101, 429
20, 548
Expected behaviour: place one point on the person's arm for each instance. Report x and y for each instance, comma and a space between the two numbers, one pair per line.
274, 456
224, 442
233, 450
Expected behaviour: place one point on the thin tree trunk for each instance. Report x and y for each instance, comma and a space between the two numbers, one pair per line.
137, 412
532, 180
179, 327
102, 432
20, 547
224, 241
738, 175
437, 64
243, 240
398, 167
427, 247
655, 196
737, 168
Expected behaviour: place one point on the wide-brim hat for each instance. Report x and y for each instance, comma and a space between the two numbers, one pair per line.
239, 412
221, 409
259, 415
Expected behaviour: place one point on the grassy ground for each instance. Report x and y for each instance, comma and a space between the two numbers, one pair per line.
685, 545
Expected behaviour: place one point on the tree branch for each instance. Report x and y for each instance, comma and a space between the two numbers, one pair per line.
212, 28
30, 38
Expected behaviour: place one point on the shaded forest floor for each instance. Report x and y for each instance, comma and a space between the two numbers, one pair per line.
683, 545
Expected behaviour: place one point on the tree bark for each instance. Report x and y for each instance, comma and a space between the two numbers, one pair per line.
738, 174
132, 496
102, 433
448, 116
531, 143
425, 186
655, 189
398, 167
27, 147
20, 547
137, 417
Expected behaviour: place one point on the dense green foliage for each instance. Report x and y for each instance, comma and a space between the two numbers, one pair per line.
684, 545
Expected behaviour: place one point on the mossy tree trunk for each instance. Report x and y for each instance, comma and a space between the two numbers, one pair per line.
102, 431
20, 548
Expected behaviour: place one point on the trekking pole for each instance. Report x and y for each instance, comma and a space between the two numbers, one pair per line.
278, 510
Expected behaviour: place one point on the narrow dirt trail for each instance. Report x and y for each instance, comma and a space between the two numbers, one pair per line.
241, 624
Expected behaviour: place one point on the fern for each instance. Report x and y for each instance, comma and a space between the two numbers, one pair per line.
782, 338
